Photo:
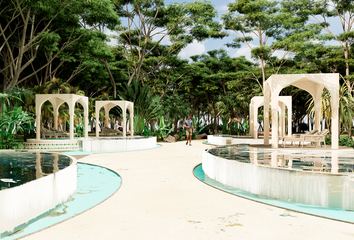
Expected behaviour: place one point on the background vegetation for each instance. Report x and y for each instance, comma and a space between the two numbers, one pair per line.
64, 47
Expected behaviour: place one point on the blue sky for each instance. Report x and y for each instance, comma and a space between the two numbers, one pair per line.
197, 48
211, 44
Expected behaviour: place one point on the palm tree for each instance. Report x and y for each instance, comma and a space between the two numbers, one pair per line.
346, 108
57, 86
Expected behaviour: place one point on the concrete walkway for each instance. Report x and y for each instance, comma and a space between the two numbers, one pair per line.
161, 199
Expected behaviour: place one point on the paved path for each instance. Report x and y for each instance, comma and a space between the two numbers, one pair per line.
160, 199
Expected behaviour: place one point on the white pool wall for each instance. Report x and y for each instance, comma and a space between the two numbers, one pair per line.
117, 145
19, 205
320, 189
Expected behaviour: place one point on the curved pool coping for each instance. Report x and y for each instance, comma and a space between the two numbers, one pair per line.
118, 144
66, 219
56, 188
73, 153
278, 203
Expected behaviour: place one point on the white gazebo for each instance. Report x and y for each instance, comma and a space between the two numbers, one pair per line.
313, 84
56, 100
283, 101
108, 105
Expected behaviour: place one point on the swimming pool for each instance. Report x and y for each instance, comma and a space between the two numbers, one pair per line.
17, 168
32, 185
315, 177
331, 213
94, 185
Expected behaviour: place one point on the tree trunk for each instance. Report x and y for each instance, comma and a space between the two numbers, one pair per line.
176, 127
113, 83
347, 72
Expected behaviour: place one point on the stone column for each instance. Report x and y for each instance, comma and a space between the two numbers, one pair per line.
72, 125
274, 105
255, 120
290, 114
38, 125
56, 108
132, 122
106, 114
97, 113
86, 122
124, 121
335, 121
282, 120
266, 119
251, 120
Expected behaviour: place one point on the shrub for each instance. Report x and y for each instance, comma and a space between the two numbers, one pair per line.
343, 141
14, 143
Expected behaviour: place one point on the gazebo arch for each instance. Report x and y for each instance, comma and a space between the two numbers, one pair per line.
256, 102
108, 105
313, 84
57, 100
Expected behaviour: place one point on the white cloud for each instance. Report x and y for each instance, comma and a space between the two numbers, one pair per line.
157, 37
245, 51
280, 54
113, 41
223, 8
195, 48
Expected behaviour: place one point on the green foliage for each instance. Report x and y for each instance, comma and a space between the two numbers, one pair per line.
139, 125
146, 105
14, 119
163, 129
328, 140
343, 141
346, 141
198, 125
14, 143
147, 131
182, 23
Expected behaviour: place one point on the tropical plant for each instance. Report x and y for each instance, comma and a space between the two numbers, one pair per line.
146, 105
14, 119
162, 127
139, 125
198, 124
346, 108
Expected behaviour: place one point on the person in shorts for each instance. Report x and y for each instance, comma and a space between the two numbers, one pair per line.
188, 126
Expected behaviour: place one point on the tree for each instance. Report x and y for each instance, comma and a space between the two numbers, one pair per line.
321, 12
253, 18
274, 26
27, 27
148, 19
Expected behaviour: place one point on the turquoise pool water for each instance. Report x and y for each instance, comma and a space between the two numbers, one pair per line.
332, 213
95, 184
17, 168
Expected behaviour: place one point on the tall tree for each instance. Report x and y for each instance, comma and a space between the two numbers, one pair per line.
273, 26
320, 12
152, 19
27, 27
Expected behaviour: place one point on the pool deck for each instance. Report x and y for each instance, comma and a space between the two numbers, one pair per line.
161, 199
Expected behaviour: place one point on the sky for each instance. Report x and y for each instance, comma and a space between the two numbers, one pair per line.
197, 48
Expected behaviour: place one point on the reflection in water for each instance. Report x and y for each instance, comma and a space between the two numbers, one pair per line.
305, 160
17, 168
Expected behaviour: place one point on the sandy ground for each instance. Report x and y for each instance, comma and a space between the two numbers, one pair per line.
161, 199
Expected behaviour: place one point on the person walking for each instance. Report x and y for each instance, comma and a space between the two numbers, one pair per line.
188, 126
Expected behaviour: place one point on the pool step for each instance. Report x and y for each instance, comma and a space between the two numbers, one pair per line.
53, 146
